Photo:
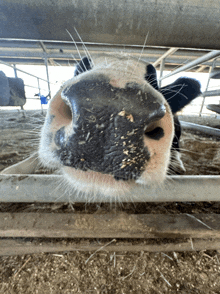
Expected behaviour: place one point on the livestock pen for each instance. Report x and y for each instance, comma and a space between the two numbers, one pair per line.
112, 247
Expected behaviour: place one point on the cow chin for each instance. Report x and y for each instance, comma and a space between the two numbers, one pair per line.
94, 183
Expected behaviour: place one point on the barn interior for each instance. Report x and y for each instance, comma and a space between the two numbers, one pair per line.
178, 38
185, 40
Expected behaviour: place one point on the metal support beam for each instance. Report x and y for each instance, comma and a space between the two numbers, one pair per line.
15, 71
48, 78
194, 63
38, 82
204, 95
168, 53
206, 89
30, 53
162, 64
45, 50
16, 76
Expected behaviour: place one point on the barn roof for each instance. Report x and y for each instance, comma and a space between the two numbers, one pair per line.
177, 31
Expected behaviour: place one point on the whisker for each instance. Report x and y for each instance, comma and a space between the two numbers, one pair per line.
178, 92
173, 86
77, 62
76, 47
85, 49
142, 50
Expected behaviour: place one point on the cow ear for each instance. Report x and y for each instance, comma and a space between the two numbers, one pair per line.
181, 92
82, 66
151, 76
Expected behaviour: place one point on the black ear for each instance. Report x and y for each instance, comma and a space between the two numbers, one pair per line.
181, 92
151, 76
82, 66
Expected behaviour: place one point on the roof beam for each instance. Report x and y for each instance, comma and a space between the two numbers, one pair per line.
169, 52
45, 50
201, 69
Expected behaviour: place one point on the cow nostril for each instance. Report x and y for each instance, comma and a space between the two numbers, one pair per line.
68, 111
65, 111
155, 133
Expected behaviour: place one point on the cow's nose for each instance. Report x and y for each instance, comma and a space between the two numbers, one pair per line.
109, 126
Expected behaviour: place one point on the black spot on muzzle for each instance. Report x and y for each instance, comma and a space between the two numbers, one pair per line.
108, 128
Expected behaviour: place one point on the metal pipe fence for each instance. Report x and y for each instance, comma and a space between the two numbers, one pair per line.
38, 87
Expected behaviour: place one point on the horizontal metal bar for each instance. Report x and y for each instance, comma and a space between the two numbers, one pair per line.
17, 50
204, 129
171, 62
52, 188
103, 25
29, 86
194, 63
35, 61
69, 52
56, 44
214, 108
211, 93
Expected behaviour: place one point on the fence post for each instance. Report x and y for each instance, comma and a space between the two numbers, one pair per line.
161, 71
48, 78
206, 89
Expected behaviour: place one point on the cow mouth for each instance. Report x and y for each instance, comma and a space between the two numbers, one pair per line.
91, 182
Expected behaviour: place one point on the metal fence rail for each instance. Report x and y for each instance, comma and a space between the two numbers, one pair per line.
48, 188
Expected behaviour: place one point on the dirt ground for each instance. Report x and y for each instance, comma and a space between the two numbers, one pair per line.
110, 272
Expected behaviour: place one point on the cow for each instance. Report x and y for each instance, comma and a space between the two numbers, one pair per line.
111, 128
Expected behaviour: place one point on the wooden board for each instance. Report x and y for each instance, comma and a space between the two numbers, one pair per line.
18, 247
120, 225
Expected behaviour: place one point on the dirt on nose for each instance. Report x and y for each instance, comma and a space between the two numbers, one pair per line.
106, 141
109, 125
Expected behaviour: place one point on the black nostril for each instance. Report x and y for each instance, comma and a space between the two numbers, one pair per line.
155, 134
